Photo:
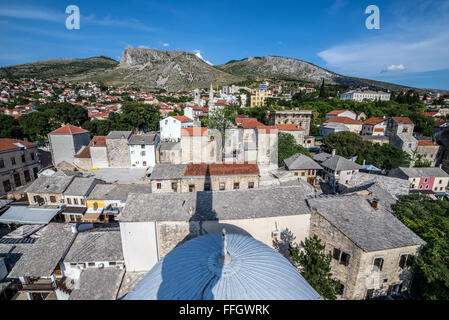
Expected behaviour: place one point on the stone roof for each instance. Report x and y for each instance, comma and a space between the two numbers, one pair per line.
46, 253
56, 183
96, 245
119, 134
335, 125
301, 162
322, 156
339, 163
80, 186
406, 173
116, 191
13, 252
147, 139
209, 205
168, 171
98, 284
395, 186
370, 229
170, 146
220, 169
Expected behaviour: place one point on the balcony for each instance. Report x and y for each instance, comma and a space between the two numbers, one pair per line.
37, 286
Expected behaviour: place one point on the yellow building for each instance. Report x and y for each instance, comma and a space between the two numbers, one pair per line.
258, 100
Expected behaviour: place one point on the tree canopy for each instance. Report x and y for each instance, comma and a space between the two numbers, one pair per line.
314, 265
430, 220
349, 144
288, 147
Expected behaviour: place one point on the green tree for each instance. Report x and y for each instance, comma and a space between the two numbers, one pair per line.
429, 219
9, 127
314, 265
323, 93
288, 147
36, 126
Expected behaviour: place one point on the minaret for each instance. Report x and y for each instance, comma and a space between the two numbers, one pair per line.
197, 97
224, 258
211, 97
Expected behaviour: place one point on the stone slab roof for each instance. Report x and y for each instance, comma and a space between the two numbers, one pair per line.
46, 253
98, 284
301, 162
56, 183
119, 134
96, 245
147, 139
170, 146
339, 163
209, 205
370, 229
80, 186
168, 171
395, 186
116, 191
406, 173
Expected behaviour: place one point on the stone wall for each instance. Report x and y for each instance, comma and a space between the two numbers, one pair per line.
118, 153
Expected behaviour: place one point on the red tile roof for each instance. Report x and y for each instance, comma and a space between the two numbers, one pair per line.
344, 120
425, 143
68, 129
289, 127
403, 120
374, 121
195, 131
98, 141
7, 144
85, 153
183, 118
248, 123
220, 169
336, 112
430, 114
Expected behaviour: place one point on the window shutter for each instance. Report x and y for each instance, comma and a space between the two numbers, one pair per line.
336, 254
348, 257
402, 261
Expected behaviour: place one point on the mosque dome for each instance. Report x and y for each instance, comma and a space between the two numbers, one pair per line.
223, 267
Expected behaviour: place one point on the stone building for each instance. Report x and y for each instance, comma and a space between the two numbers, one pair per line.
424, 179
338, 170
19, 164
296, 131
303, 118
429, 151
373, 252
150, 232
66, 142
374, 127
303, 167
118, 149
49, 190
399, 125
167, 177
169, 152
99, 152
199, 145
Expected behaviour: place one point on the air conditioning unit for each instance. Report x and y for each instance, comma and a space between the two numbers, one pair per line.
276, 234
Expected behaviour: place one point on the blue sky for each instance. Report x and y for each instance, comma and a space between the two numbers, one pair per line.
411, 47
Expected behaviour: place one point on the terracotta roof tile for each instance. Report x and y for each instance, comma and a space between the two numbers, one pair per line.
289, 127
98, 141
403, 120
344, 120
194, 131
84, 153
7, 144
374, 121
425, 143
220, 169
182, 118
68, 129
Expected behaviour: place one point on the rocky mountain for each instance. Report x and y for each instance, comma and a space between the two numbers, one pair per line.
51, 69
170, 70
273, 67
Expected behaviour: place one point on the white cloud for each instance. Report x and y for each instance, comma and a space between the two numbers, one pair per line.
418, 40
143, 47
394, 68
198, 54
336, 6
32, 14
166, 44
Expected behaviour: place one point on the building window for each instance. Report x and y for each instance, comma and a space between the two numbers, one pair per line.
158, 185
27, 175
17, 181
23, 158
341, 290
406, 260
174, 186
394, 289
222, 186
69, 201
142, 146
378, 263
207, 187
296, 173
336, 254
32, 156
13, 161
344, 259
52, 199
82, 201
75, 201
191, 188
2, 163
236, 186
91, 264
369, 294
144, 163
112, 263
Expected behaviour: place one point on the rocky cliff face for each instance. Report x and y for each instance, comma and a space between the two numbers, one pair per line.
171, 70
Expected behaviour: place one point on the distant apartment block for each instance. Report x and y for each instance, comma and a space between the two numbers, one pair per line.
359, 96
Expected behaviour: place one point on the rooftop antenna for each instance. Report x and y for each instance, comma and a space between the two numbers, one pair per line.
225, 258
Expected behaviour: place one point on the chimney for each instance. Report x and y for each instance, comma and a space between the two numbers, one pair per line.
374, 203
74, 229
334, 152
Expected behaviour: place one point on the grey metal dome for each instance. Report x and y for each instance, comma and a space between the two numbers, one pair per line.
198, 270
